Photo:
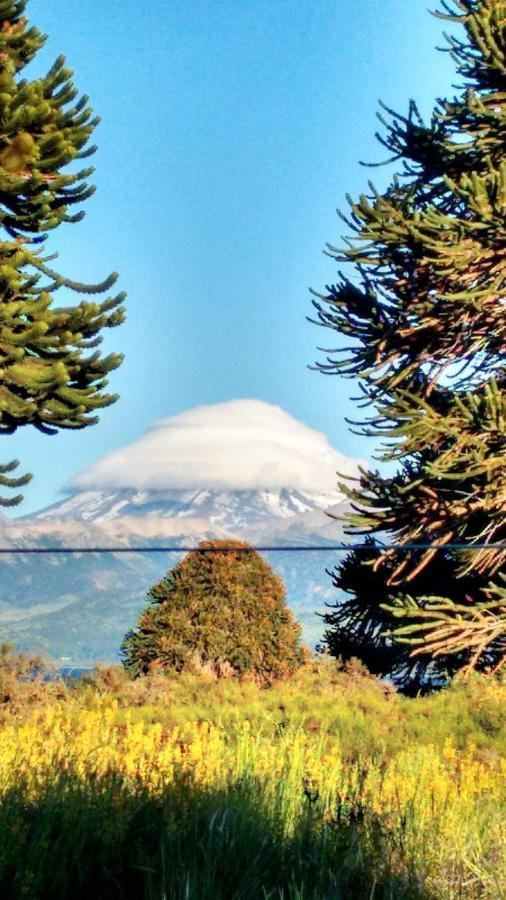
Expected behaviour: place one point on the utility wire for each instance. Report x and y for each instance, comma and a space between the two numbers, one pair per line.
338, 548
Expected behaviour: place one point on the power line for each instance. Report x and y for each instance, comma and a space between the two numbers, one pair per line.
338, 548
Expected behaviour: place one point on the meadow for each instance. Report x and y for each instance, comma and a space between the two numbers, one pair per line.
330, 785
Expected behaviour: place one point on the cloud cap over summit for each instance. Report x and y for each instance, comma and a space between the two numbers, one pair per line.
236, 445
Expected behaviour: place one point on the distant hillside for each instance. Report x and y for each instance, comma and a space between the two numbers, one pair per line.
79, 606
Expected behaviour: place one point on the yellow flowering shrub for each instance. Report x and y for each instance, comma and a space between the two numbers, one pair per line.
442, 808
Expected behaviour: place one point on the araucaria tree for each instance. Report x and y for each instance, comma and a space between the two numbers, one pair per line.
221, 608
426, 314
48, 376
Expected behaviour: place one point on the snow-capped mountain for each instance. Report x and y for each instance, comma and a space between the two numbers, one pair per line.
80, 606
139, 518
234, 511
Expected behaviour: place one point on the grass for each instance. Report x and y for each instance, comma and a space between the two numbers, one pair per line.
327, 786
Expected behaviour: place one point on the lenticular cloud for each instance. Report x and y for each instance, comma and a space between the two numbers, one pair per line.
238, 445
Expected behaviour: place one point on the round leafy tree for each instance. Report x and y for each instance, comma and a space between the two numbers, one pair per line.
223, 608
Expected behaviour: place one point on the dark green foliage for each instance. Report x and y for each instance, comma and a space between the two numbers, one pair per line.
194, 843
355, 629
427, 322
48, 376
7, 481
223, 610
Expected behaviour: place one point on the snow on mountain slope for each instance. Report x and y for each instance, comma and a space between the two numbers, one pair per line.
228, 509
255, 515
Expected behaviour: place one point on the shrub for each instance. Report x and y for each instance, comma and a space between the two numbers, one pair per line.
219, 611
26, 680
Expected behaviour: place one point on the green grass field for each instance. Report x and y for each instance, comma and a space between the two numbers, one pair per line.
327, 786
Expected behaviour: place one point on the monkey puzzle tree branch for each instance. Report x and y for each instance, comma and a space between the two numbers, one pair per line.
424, 322
48, 377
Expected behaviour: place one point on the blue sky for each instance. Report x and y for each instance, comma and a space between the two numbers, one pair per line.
231, 130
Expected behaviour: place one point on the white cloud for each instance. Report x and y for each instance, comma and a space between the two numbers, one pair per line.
241, 444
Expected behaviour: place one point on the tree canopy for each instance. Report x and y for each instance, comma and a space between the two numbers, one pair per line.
424, 319
221, 607
51, 374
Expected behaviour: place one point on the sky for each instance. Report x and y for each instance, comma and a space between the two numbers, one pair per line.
231, 131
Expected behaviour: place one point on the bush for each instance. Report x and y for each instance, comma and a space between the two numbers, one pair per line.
218, 611
26, 680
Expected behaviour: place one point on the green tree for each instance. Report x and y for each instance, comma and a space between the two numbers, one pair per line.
425, 312
220, 608
51, 375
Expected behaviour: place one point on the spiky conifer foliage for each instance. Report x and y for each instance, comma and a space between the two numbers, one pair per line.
48, 376
219, 608
426, 314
